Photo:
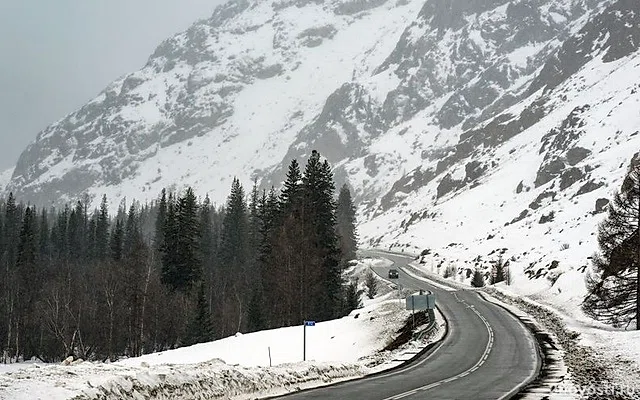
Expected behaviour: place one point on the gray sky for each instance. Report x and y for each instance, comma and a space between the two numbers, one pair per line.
55, 55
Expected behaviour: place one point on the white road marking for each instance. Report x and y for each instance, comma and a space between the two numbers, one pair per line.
429, 281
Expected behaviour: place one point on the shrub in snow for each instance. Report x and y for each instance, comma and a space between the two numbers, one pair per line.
478, 279
371, 285
450, 271
352, 296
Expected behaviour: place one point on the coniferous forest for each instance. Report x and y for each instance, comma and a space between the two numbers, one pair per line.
178, 271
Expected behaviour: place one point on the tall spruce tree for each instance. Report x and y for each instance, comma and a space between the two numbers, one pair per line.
116, 241
614, 289
346, 225
233, 258
320, 206
161, 217
28, 244
170, 232
188, 251
59, 238
291, 194
29, 283
235, 229
208, 245
253, 228
12, 218
44, 243
102, 231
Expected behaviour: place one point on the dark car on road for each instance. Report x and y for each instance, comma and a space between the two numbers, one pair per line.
393, 273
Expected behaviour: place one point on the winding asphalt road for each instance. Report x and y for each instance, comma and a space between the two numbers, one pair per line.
487, 353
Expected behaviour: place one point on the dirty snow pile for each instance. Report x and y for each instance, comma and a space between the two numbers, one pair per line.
235, 367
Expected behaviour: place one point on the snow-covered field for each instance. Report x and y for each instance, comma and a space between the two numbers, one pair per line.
235, 367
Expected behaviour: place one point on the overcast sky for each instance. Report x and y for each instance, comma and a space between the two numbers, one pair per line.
55, 55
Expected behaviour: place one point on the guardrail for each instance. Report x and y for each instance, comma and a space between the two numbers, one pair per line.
428, 329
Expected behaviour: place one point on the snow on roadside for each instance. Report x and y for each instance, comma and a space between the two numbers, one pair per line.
593, 346
235, 367
589, 347
206, 380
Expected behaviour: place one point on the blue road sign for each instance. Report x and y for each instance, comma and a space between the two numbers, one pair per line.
310, 323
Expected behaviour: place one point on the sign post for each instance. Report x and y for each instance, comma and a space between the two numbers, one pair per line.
304, 337
420, 302
413, 312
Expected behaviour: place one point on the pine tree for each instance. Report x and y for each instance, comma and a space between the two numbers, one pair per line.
28, 245
346, 225
12, 219
77, 233
44, 243
208, 245
130, 232
102, 231
352, 297
234, 230
269, 267
478, 279
499, 270
116, 241
255, 314
59, 237
160, 225
290, 195
181, 258
614, 289
200, 327
320, 224
189, 263
233, 257
253, 229
29, 282
371, 283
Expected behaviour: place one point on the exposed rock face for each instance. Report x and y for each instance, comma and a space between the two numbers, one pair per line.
430, 110
612, 34
208, 85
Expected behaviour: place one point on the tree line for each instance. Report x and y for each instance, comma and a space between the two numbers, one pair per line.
177, 271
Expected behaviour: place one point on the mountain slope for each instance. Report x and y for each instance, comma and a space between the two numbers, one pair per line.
531, 183
470, 128
224, 98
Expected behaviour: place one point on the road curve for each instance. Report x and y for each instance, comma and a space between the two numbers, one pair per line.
487, 354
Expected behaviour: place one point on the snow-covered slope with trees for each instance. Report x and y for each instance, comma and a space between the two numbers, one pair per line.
468, 128
253, 365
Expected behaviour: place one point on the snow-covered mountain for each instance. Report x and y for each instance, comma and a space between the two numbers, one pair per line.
5, 178
466, 127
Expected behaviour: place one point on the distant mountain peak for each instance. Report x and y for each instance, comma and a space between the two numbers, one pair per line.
464, 126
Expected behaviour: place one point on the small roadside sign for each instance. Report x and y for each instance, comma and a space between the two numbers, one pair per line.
419, 302
305, 323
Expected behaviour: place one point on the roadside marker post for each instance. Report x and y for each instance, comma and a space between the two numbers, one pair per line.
305, 323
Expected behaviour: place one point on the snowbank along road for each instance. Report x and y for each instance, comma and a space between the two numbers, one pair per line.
487, 353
